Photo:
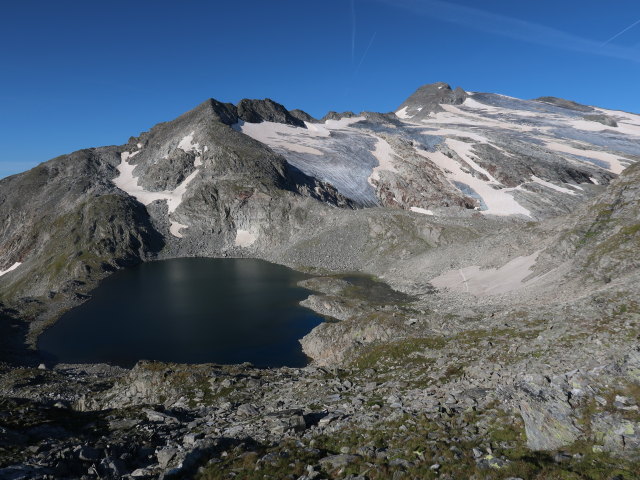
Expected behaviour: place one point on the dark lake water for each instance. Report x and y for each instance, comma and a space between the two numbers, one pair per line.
190, 310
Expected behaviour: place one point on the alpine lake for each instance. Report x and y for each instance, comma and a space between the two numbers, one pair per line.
188, 310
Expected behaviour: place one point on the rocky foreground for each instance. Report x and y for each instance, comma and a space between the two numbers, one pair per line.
206, 421
496, 333
407, 393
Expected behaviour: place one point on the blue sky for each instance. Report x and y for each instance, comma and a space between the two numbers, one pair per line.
81, 74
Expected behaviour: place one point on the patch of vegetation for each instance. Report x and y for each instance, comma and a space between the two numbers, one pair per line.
496, 335
194, 382
373, 291
409, 446
283, 461
624, 389
453, 371
409, 351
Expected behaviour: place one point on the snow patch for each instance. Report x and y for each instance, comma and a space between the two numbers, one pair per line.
175, 228
492, 281
615, 166
343, 122
244, 238
594, 181
628, 123
589, 125
497, 201
552, 186
421, 210
11, 268
318, 130
384, 154
288, 137
127, 155
402, 113
128, 182
187, 144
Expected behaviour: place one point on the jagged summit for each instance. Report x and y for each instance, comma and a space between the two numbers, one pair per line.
331, 115
256, 111
249, 110
428, 98
303, 116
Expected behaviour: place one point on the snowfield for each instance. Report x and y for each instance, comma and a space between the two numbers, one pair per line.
493, 281
351, 153
334, 152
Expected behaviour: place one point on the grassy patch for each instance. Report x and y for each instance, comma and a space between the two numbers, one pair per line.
412, 351
411, 444
284, 461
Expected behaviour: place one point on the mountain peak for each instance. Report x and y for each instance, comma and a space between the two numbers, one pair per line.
248, 110
257, 111
434, 87
428, 98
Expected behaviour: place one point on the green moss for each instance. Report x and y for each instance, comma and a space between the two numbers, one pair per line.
631, 230
406, 352
372, 290
453, 371
283, 461
473, 337
424, 441
620, 245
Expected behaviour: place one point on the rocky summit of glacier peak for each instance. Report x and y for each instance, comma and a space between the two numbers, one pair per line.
496, 331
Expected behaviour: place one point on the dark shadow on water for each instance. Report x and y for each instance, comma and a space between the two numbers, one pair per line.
375, 291
190, 310
13, 334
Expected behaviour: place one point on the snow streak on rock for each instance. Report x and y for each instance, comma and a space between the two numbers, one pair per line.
11, 268
421, 210
129, 183
384, 153
552, 186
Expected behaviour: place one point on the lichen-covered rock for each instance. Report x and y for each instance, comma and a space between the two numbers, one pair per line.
548, 416
616, 434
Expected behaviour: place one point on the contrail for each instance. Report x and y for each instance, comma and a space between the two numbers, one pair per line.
620, 33
373, 37
514, 28
353, 31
